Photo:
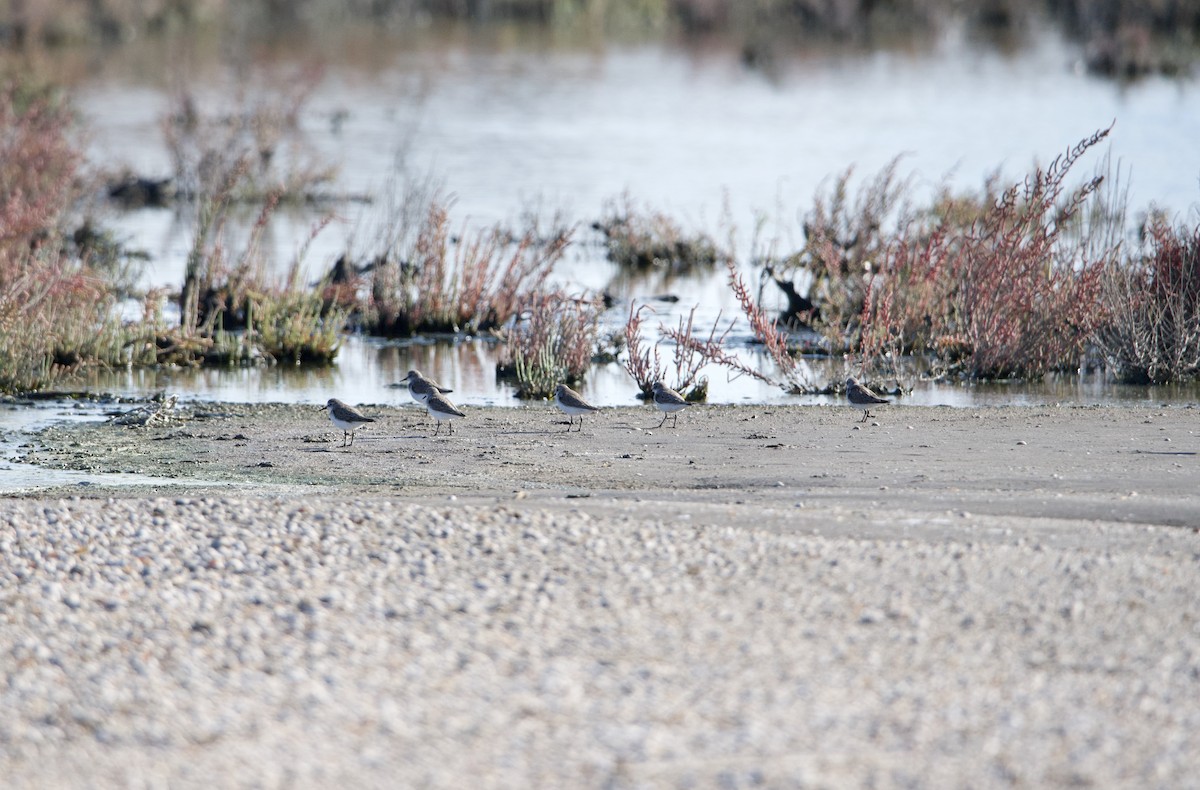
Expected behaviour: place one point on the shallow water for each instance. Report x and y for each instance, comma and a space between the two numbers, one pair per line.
18, 420
370, 372
525, 124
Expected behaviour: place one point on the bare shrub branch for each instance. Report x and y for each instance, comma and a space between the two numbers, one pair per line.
793, 377
1152, 334
642, 362
692, 353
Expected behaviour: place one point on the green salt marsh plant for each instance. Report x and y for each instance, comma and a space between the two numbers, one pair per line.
296, 325
286, 326
233, 311
552, 342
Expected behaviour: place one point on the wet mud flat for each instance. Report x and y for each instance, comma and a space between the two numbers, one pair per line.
1122, 464
764, 596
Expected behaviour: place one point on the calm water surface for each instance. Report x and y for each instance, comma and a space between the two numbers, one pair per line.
523, 126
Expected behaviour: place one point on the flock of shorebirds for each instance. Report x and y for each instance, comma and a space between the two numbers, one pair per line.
432, 396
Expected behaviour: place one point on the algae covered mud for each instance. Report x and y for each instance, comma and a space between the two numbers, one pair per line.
766, 596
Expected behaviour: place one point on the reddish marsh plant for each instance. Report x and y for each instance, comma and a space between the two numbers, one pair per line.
692, 353
689, 355
845, 239
54, 309
39, 163
1026, 304
644, 362
793, 377
54, 318
475, 287
1012, 295
881, 340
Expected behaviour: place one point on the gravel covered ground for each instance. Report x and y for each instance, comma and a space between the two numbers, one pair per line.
946, 598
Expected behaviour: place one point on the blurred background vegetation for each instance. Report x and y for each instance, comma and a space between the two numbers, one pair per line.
1120, 38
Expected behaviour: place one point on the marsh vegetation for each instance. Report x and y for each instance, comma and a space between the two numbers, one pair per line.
1047, 273
1120, 38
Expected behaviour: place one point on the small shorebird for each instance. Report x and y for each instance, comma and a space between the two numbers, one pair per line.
572, 404
668, 401
421, 386
346, 417
862, 397
442, 409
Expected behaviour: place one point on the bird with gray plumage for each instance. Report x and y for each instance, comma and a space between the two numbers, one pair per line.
346, 417
421, 386
572, 404
440, 408
860, 396
668, 401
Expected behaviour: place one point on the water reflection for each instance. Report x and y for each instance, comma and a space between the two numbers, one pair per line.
368, 372
691, 133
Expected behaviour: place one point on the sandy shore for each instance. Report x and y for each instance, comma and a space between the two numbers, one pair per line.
764, 596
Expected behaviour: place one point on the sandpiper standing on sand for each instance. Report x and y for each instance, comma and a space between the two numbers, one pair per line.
440, 408
572, 404
346, 417
668, 401
863, 398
